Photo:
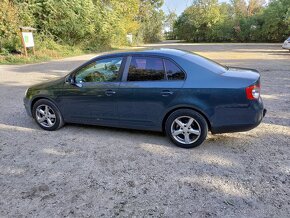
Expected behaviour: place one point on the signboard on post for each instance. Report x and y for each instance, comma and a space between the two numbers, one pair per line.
27, 39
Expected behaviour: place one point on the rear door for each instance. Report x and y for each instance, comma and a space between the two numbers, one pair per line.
148, 87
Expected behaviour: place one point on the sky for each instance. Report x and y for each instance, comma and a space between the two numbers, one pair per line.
178, 6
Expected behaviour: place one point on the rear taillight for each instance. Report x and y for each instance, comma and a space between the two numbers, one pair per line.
253, 92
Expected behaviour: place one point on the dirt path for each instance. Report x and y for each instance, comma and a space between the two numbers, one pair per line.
82, 171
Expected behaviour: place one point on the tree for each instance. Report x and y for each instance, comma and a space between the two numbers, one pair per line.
240, 8
151, 19
86, 23
197, 21
170, 19
207, 20
276, 21
254, 7
223, 30
8, 26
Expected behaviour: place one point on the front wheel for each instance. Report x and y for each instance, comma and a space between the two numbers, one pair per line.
186, 128
47, 115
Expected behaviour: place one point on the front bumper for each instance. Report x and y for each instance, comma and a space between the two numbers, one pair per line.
27, 104
286, 46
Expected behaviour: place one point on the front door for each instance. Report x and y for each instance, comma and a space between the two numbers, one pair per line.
93, 97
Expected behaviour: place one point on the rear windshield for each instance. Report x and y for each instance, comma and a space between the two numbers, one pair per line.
206, 63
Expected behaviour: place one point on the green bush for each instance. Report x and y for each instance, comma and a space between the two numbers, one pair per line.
237, 21
9, 29
64, 25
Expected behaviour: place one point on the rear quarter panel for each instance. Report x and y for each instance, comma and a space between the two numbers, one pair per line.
220, 98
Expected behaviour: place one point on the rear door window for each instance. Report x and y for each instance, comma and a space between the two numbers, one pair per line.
146, 69
173, 72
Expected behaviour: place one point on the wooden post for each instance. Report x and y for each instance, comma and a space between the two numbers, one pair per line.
23, 44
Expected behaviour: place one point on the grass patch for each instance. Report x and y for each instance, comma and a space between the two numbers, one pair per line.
50, 50
47, 49
42, 54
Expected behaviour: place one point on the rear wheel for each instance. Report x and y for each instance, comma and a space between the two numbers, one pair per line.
186, 128
47, 115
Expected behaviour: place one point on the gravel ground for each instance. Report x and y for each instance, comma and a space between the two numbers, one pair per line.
84, 171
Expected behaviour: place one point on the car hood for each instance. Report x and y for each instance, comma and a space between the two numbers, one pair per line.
54, 84
243, 73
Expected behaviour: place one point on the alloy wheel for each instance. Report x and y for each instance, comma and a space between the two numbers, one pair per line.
185, 130
45, 115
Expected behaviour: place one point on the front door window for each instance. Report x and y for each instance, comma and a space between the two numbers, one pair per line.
105, 70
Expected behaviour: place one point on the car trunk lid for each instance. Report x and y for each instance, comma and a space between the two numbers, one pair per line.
252, 77
243, 73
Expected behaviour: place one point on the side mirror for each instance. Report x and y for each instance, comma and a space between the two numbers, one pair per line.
70, 80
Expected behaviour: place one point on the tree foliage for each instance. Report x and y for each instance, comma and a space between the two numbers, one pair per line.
197, 21
8, 25
239, 20
169, 22
275, 21
88, 23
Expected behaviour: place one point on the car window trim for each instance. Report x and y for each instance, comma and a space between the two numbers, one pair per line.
120, 72
164, 67
128, 62
94, 85
126, 69
173, 62
183, 71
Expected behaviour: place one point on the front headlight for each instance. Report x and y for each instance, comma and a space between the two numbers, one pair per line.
26, 92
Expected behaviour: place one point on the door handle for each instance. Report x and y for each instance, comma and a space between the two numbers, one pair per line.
166, 93
110, 92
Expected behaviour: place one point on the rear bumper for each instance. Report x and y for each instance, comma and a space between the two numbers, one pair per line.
240, 119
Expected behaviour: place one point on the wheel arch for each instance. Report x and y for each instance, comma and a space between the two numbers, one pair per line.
185, 107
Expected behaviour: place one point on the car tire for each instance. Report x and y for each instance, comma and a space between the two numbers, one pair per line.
47, 115
186, 128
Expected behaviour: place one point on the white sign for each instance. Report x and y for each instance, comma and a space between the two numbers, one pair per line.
130, 38
28, 39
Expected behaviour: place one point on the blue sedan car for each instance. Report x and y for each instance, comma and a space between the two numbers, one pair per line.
180, 93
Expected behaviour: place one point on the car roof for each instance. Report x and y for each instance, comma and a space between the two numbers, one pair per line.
169, 53
165, 52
